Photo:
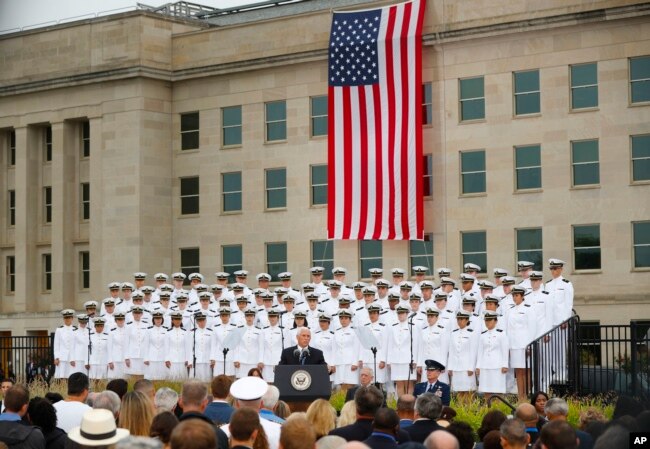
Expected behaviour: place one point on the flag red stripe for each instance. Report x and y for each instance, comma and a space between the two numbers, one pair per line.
331, 173
407, 98
379, 192
347, 176
363, 130
419, 165
390, 120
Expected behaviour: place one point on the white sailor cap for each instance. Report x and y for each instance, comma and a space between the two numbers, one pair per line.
179, 276
555, 263
258, 291
147, 289
248, 388
415, 297
90, 305
161, 277
440, 296
139, 276
382, 283
67, 313
241, 273
335, 284
237, 286
308, 287
500, 272
216, 287
518, 289
263, 277
376, 272
324, 317
109, 302
508, 280
127, 286
487, 285
249, 311
426, 284
492, 298
471, 267
405, 285
268, 296
201, 287
83, 317
524, 265
339, 271
358, 285
447, 281
195, 277
285, 276
181, 296
137, 295
402, 309
446, 272
205, 296
369, 290
114, 286
467, 278
280, 291
221, 275
398, 272
536, 275
317, 270
467, 299
167, 288
419, 269
291, 296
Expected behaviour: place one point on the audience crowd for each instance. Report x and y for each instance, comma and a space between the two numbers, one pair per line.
247, 414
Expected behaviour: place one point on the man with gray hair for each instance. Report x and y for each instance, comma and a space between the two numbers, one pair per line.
108, 400
427, 410
194, 400
557, 409
513, 434
441, 439
302, 353
165, 400
269, 401
366, 375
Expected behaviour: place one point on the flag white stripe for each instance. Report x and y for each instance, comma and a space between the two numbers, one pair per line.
397, 144
372, 167
355, 171
383, 98
412, 125
339, 186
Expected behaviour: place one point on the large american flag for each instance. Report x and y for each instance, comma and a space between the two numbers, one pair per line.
375, 128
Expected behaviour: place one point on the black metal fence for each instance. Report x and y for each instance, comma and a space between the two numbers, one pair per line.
27, 358
589, 358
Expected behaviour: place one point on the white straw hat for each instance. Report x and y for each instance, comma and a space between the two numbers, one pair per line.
97, 429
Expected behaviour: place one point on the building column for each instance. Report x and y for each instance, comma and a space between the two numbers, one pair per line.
96, 237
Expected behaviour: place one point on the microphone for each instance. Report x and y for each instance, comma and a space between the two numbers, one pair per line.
296, 352
306, 352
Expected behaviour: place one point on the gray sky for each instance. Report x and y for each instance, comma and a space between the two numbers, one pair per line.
21, 13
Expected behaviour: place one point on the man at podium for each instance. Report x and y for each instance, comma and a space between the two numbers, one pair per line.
302, 353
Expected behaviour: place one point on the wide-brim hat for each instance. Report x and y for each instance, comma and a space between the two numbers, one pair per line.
97, 429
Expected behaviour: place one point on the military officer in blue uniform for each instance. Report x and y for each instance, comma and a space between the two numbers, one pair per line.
433, 385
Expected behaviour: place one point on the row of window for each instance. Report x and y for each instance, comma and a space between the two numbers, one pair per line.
586, 254
46, 270
47, 143
84, 209
526, 101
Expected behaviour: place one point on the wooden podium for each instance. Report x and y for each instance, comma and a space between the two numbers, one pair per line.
300, 385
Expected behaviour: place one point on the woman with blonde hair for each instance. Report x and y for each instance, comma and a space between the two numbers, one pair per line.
348, 414
322, 417
136, 413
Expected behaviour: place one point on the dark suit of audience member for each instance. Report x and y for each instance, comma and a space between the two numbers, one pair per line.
427, 409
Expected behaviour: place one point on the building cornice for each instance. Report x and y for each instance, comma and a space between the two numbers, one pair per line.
431, 39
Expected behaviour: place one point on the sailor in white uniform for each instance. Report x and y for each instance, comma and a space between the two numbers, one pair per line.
117, 344
177, 356
155, 349
492, 357
275, 340
434, 344
461, 364
200, 340
98, 360
64, 345
221, 331
346, 352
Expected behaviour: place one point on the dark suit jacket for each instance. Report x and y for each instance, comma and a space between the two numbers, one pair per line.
349, 396
420, 429
379, 442
362, 429
421, 388
315, 357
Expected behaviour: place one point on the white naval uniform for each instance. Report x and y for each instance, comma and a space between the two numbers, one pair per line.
98, 356
328, 304
80, 350
324, 340
492, 356
136, 333
463, 347
402, 349
200, 343
178, 353
221, 331
154, 353
346, 354
561, 292
249, 351
274, 343
433, 345
63, 350
540, 300
521, 330
380, 331
117, 343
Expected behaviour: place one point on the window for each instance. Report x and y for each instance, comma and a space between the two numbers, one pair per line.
47, 204
190, 195
640, 79
472, 99
47, 272
84, 270
421, 252
474, 248
231, 123
584, 86
11, 274
12, 207
276, 120
232, 260
472, 167
85, 201
47, 144
527, 92
190, 131
641, 237
641, 158
11, 159
319, 116
276, 259
231, 185
428, 175
85, 139
190, 262
528, 167
586, 247
318, 185
322, 254
370, 256
529, 246
590, 343
427, 104
584, 158
276, 188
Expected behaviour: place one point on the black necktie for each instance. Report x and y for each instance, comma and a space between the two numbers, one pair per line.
303, 356
430, 388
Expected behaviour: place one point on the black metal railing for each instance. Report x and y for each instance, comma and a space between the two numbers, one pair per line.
27, 358
553, 361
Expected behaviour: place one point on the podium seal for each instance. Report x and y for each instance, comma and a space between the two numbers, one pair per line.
301, 380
